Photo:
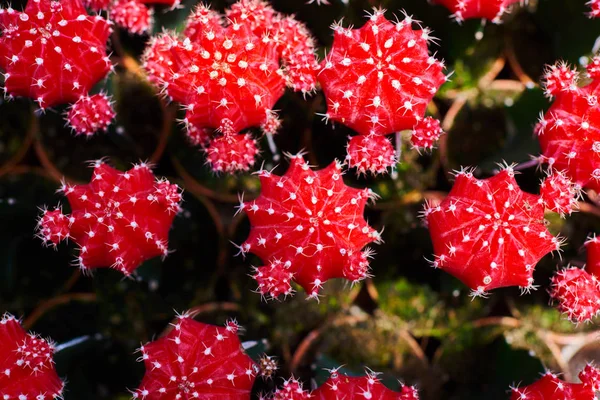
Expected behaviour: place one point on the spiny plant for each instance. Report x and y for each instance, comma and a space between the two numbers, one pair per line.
595, 8
131, 15
91, 114
27, 364
341, 386
307, 226
550, 387
378, 80
491, 10
489, 233
118, 220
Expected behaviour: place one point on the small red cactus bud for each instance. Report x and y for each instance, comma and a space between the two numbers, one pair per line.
231, 153
595, 8
560, 77
27, 364
488, 233
567, 132
53, 51
308, 225
593, 255
492, 10
196, 360
577, 293
90, 114
157, 59
341, 386
291, 390
53, 227
272, 123
550, 387
131, 15
370, 153
593, 67
558, 193
202, 20
97, 5
380, 78
590, 376
274, 280
426, 133
120, 219
199, 136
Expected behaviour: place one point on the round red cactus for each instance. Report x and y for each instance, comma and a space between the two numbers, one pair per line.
593, 255
560, 77
488, 233
550, 387
132, 15
308, 226
90, 114
197, 361
157, 59
291, 390
340, 386
593, 68
486, 9
27, 364
569, 132
558, 193
370, 153
231, 153
53, 51
118, 220
426, 133
595, 8
577, 293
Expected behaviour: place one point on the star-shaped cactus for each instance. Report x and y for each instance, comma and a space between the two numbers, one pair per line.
308, 226
551, 387
488, 233
197, 361
118, 220
341, 386
379, 79
27, 364
53, 52
492, 10
569, 132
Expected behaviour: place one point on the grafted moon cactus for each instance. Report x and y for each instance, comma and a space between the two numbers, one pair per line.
197, 361
90, 114
550, 387
27, 364
569, 132
489, 233
492, 10
340, 386
53, 51
378, 80
119, 220
308, 227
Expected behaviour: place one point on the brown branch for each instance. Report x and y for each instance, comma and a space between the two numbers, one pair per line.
49, 304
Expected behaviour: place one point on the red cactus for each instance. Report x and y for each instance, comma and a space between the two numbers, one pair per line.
550, 387
379, 79
157, 57
197, 361
231, 153
132, 15
370, 153
291, 390
426, 133
90, 114
488, 233
485, 9
27, 364
53, 51
569, 132
340, 386
595, 8
593, 255
118, 220
577, 293
559, 194
308, 226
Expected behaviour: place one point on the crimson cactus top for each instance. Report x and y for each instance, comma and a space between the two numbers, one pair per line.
380, 78
569, 132
53, 52
291, 390
118, 220
485, 9
340, 386
488, 233
550, 387
27, 364
308, 226
197, 361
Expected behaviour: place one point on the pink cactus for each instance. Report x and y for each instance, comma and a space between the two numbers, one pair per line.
90, 114
119, 220
227, 72
291, 390
577, 293
550, 387
197, 361
53, 52
426, 133
569, 132
340, 386
231, 153
27, 364
594, 8
488, 233
308, 226
559, 194
379, 79
370, 153
131, 15
492, 10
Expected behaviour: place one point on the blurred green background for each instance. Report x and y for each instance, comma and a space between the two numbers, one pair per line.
410, 322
